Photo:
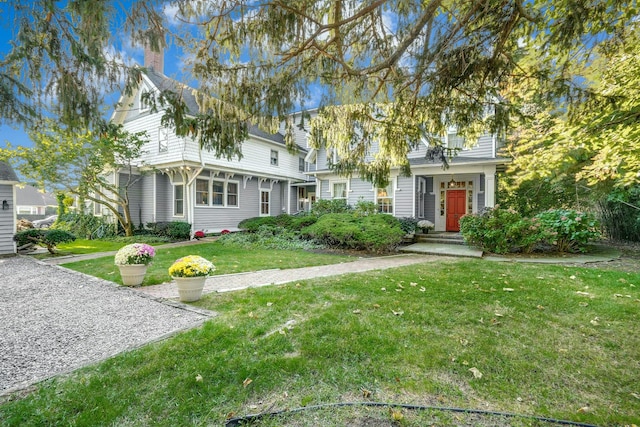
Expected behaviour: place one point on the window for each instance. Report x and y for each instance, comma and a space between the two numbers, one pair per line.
274, 158
264, 203
302, 197
145, 105
301, 164
454, 141
339, 190
202, 192
178, 199
385, 199
232, 194
163, 140
218, 193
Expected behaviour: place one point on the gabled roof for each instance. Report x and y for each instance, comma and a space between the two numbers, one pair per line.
31, 196
7, 174
163, 82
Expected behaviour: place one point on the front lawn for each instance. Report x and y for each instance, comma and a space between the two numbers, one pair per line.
559, 342
227, 259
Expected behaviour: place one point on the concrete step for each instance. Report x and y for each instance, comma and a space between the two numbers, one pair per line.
442, 249
441, 237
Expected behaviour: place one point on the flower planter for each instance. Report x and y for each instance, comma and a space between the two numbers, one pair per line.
132, 274
190, 288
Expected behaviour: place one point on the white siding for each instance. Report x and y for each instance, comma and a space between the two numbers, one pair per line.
7, 221
403, 197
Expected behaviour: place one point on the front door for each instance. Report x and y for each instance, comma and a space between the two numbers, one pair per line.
456, 208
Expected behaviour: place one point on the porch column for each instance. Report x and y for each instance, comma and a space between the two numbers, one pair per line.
490, 189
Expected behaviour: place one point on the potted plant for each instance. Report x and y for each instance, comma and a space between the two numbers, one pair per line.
132, 261
425, 225
190, 273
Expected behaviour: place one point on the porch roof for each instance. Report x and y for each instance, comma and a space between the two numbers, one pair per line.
460, 160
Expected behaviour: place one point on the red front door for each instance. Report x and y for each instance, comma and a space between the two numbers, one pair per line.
456, 207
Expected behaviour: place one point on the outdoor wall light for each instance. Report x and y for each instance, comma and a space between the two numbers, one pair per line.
5, 205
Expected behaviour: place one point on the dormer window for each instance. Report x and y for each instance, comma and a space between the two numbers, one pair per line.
144, 103
455, 141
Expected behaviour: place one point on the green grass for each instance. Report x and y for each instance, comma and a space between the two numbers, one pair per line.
227, 259
548, 340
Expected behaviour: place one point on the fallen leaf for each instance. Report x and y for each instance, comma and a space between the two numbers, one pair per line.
584, 304
400, 286
594, 322
498, 315
540, 307
365, 393
636, 395
572, 277
584, 294
383, 289
540, 277
423, 289
413, 284
269, 304
463, 341
246, 382
252, 315
507, 289
476, 373
396, 414
285, 394
199, 378
230, 415
253, 406
398, 290
583, 409
357, 311
397, 313
376, 305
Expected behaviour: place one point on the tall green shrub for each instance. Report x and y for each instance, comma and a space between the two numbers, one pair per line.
570, 230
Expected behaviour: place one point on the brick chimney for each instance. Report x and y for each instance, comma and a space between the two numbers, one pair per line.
154, 60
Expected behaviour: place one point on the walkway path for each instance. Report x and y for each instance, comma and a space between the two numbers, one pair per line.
234, 282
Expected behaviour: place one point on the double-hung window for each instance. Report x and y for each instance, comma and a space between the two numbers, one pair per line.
339, 190
178, 199
202, 192
232, 194
274, 158
218, 193
385, 199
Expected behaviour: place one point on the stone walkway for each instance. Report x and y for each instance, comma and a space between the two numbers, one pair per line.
234, 282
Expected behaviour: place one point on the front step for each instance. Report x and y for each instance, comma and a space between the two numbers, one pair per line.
441, 237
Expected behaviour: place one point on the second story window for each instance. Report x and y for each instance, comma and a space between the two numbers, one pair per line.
301, 164
274, 158
455, 141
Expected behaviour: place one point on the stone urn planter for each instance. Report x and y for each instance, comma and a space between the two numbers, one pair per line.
190, 288
132, 274
190, 273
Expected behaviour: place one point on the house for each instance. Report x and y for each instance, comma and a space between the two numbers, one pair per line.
32, 203
193, 185
8, 181
439, 195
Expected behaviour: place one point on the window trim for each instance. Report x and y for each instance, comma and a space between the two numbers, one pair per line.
274, 160
207, 191
224, 183
175, 200
260, 204
346, 189
391, 198
143, 106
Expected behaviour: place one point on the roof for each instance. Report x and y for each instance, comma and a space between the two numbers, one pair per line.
422, 161
7, 173
163, 82
31, 196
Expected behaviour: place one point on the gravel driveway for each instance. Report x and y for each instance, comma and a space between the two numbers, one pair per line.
54, 320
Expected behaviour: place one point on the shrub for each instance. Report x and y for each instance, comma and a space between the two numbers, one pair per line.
408, 224
325, 206
269, 237
570, 230
47, 238
84, 225
375, 233
175, 230
502, 231
252, 224
300, 222
364, 208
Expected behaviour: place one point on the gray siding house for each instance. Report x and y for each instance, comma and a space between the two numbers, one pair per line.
193, 185
439, 195
213, 194
8, 181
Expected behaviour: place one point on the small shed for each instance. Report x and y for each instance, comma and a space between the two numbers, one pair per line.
8, 181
